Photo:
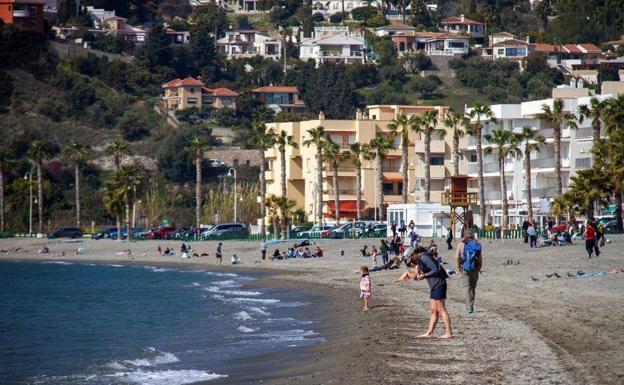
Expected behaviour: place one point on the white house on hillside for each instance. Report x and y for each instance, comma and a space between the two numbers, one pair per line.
462, 24
332, 7
343, 47
98, 15
242, 44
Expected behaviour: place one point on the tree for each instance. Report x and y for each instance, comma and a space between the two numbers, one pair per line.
506, 144
285, 206
379, 146
358, 151
415, 61
157, 49
262, 139
426, 126
202, 50
114, 205
282, 141
401, 126
118, 150
5, 163
586, 189
198, 147
332, 154
127, 181
610, 155
455, 122
318, 138
77, 152
532, 142
329, 89
475, 130
557, 118
37, 153
594, 111
425, 85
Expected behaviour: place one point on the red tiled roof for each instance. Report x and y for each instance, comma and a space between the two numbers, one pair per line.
222, 91
458, 20
590, 48
289, 89
546, 48
513, 42
571, 48
189, 81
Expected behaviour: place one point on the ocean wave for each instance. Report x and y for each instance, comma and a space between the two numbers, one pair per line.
268, 301
158, 358
243, 316
166, 377
59, 263
217, 289
292, 304
227, 283
245, 329
221, 274
258, 310
196, 284
288, 335
116, 265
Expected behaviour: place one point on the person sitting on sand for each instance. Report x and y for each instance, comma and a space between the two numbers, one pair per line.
44, 250
276, 254
364, 251
430, 269
167, 252
393, 263
319, 252
183, 248
307, 253
235, 260
291, 253
303, 243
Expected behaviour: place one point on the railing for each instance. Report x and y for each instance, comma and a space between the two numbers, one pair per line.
488, 167
342, 191
391, 168
547, 192
505, 234
341, 54
543, 163
459, 198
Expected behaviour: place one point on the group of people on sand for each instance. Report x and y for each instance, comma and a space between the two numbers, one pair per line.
593, 233
425, 263
299, 250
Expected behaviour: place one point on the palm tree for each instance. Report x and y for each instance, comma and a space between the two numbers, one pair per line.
262, 139
114, 205
77, 153
455, 122
586, 189
37, 153
285, 206
118, 150
475, 130
532, 142
284, 140
557, 117
594, 111
318, 138
428, 120
5, 163
506, 143
401, 126
379, 147
198, 147
333, 155
563, 204
127, 180
273, 209
358, 151
614, 127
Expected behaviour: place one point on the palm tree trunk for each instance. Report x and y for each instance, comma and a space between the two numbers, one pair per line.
262, 193
336, 193
284, 223
557, 136
455, 153
527, 182
404, 157
480, 175
427, 166
501, 167
40, 194
596, 127
358, 193
283, 171
618, 211
77, 177
380, 194
319, 183
118, 220
276, 226
128, 229
198, 198
2, 199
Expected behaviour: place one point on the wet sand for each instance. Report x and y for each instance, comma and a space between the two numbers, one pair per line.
549, 331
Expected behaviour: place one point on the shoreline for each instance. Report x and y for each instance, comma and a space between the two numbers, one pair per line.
549, 331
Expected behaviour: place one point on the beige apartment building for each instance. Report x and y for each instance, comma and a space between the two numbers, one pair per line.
180, 94
301, 162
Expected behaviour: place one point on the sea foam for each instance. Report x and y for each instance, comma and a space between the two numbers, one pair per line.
242, 316
166, 377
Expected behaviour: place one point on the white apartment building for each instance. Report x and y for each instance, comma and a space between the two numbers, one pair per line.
331, 7
576, 155
341, 47
249, 43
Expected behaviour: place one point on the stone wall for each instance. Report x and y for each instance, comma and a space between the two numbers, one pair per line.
235, 157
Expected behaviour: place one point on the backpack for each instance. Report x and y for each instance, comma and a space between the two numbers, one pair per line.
471, 255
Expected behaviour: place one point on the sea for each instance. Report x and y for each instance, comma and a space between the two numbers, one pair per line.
105, 324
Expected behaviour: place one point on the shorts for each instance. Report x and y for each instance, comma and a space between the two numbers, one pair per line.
365, 294
438, 292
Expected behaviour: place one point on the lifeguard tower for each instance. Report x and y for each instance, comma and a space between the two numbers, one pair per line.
459, 199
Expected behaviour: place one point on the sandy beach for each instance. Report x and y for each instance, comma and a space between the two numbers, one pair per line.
546, 331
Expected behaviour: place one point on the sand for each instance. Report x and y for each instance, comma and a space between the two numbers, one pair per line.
549, 331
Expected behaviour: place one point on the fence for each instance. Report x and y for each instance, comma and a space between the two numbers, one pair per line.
506, 234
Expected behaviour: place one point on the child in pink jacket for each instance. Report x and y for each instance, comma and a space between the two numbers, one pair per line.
365, 287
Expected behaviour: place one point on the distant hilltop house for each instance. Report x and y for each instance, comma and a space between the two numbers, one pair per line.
281, 99
27, 14
178, 37
566, 56
98, 15
432, 43
186, 93
615, 43
117, 26
512, 49
342, 47
331, 7
249, 43
392, 29
462, 24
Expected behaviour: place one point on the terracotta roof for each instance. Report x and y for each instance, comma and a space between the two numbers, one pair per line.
546, 48
504, 34
513, 42
612, 42
289, 89
432, 35
458, 20
189, 81
571, 48
590, 48
220, 91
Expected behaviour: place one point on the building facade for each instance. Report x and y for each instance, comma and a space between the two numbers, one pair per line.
463, 25
301, 162
281, 99
27, 14
432, 43
245, 44
342, 47
180, 94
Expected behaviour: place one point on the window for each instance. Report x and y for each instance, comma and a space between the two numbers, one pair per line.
191, 100
456, 44
192, 90
501, 51
515, 52
473, 158
437, 161
235, 163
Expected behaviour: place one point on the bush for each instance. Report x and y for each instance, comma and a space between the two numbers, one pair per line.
378, 20
136, 124
364, 13
318, 17
338, 17
415, 61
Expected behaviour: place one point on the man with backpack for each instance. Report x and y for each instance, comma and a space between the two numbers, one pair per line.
468, 260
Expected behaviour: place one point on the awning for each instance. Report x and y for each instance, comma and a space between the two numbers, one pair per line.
393, 179
346, 206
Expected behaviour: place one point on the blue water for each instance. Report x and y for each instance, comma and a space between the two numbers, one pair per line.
63, 323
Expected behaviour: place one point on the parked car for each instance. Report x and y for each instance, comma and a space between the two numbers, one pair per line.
346, 229
315, 231
136, 232
377, 228
104, 233
160, 232
298, 229
66, 232
227, 229
215, 163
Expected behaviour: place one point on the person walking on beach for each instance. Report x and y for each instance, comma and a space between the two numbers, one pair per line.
469, 260
532, 234
218, 253
428, 267
449, 238
525, 232
365, 287
393, 227
384, 249
590, 240
263, 249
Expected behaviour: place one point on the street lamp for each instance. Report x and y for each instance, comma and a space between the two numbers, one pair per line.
232, 172
28, 177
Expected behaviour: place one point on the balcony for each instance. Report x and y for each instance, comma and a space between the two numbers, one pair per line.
543, 163
340, 54
269, 175
344, 194
583, 163
584, 133
342, 171
436, 146
546, 192
488, 168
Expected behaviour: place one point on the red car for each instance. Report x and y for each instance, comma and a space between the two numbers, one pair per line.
160, 233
